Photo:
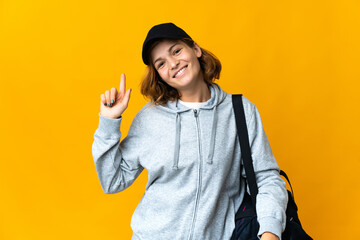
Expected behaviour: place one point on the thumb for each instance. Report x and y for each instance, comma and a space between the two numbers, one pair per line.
127, 96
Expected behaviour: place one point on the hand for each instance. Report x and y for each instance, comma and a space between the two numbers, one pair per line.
120, 100
269, 236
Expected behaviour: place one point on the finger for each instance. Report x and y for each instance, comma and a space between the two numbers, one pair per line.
107, 97
122, 86
127, 97
103, 100
112, 95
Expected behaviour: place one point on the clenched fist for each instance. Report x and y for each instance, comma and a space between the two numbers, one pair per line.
113, 103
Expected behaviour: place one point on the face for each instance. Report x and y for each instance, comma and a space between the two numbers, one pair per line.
177, 64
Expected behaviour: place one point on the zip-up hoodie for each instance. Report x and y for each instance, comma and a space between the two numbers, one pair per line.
193, 163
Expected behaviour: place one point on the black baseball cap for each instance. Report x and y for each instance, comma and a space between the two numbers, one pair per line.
161, 31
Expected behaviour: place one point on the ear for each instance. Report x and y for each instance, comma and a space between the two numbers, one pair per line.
197, 50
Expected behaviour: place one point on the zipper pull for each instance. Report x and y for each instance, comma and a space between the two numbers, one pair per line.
195, 112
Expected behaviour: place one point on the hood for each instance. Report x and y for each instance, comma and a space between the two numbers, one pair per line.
174, 107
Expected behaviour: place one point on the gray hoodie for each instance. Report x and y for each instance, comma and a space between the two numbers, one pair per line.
193, 163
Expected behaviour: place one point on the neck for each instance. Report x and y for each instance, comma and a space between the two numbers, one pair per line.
200, 92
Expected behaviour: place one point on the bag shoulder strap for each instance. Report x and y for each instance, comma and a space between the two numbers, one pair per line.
245, 147
242, 133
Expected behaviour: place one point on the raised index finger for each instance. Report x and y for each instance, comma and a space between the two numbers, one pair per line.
122, 85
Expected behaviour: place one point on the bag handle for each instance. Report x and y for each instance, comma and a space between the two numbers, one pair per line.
244, 145
284, 174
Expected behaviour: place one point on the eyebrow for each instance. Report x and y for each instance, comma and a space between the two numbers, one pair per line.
168, 51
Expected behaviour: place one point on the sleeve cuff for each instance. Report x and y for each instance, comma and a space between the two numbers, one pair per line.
270, 224
109, 127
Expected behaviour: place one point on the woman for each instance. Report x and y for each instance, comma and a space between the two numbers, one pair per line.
185, 137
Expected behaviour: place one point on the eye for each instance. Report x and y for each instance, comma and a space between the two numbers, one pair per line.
162, 63
177, 51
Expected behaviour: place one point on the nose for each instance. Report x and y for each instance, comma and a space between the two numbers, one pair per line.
173, 63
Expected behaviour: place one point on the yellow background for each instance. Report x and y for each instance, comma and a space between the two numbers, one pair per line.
297, 61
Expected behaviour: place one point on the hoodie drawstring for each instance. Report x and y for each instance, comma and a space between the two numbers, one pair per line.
212, 139
177, 141
209, 159
217, 96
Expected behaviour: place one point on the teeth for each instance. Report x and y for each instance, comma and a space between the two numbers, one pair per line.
180, 71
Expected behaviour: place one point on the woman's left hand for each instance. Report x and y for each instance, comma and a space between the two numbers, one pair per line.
269, 236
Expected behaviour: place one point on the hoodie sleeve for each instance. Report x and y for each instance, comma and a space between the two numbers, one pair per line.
117, 163
272, 196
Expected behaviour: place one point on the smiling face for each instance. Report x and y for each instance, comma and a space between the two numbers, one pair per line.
177, 64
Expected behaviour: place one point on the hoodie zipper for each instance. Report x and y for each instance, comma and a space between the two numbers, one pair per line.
199, 175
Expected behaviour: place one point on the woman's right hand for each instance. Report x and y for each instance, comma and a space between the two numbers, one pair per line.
114, 109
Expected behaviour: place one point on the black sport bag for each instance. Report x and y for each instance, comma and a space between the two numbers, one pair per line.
246, 224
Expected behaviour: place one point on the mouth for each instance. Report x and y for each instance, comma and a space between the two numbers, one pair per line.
180, 72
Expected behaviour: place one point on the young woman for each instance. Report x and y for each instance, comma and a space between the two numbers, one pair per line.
186, 138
